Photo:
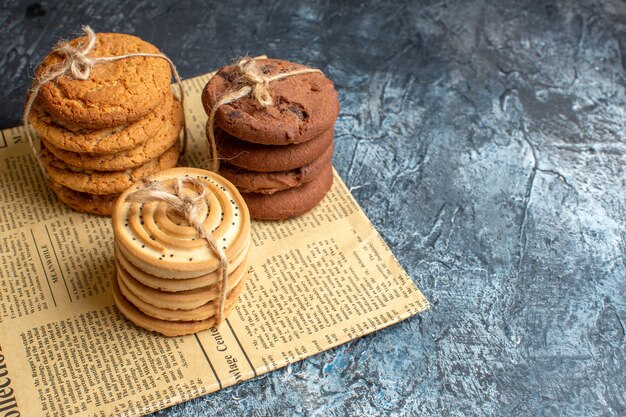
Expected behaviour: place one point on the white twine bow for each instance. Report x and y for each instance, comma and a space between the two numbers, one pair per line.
188, 207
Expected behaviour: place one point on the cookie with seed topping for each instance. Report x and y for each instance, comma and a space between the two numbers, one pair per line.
162, 243
197, 304
168, 327
179, 284
179, 254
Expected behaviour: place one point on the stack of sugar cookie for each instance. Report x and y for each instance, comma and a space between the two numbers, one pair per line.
168, 278
100, 135
279, 156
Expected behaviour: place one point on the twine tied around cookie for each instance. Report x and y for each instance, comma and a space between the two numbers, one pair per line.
78, 64
252, 82
189, 207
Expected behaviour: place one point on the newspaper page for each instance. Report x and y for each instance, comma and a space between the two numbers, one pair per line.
316, 282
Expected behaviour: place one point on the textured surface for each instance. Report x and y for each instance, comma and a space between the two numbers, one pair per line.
486, 143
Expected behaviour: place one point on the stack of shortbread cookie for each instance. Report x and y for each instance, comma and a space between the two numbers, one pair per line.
102, 134
278, 156
168, 277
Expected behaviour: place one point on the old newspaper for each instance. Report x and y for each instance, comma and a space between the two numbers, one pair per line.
316, 282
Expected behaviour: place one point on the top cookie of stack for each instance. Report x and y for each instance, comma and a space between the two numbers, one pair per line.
278, 156
101, 134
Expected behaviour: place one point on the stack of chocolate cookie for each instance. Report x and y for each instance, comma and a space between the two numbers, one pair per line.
278, 156
168, 278
100, 135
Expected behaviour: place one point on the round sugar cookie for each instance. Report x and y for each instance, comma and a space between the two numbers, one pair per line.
162, 243
101, 205
203, 312
271, 182
181, 300
166, 328
99, 182
132, 158
304, 105
177, 284
116, 93
292, 202
104, 141
268, 158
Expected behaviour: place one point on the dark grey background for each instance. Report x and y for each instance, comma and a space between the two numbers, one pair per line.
485, 140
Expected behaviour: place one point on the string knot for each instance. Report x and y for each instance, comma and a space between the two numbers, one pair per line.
252, 76
190, 205
76, 59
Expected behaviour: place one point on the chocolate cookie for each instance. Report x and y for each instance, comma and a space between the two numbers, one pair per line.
271, 182
305, 105
268, 158
116, 93
104, 141
292, 202
132, 158
95, 182
83, 202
